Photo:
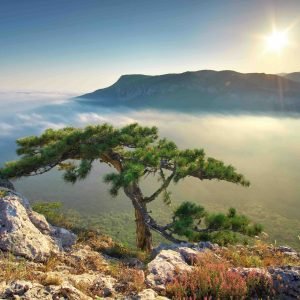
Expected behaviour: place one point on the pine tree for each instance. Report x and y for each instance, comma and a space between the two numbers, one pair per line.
134, 152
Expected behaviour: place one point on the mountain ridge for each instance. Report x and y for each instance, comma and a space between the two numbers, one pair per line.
204, 89
295, 76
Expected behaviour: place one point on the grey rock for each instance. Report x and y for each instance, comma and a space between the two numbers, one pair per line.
286, 281
65, 238
106, 285
19, 235
24, 201
18, 288
189, 255
288, 251
163, 246
208, 245
173, 258
285, 249
133, 262
40, 222
26, 233
148, 294
5, 183
163, 268
33, 291
196, 246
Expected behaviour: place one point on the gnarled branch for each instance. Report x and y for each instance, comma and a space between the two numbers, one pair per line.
165, 184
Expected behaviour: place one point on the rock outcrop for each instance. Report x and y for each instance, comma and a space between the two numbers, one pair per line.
34, 291
149, 294
175, 258
81, 271
198, 247
170, 259
5, 183
286, 281
26, 233
162, 269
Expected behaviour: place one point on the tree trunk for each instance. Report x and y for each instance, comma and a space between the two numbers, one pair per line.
143, 233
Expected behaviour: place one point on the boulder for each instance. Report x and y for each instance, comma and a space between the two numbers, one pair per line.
93, 260
148, 294
65, 239
286, 281
288, 251
40, 222
26, 233
18, 234
195, 246
27, 290
189, 255
134, 263
5, 183
246, 271
172, 259
163, 268
99, 284
104, 285
17, 288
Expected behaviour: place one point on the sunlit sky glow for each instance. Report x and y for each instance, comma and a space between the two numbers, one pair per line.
82, 45
277, 41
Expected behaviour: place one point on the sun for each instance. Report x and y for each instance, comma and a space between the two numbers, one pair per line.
277, 41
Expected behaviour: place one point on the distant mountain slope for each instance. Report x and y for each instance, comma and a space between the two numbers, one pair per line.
203, 90
293, 76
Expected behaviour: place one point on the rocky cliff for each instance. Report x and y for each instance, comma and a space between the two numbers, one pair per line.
41, 261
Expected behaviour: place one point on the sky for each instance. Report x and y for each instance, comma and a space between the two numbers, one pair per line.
79, 46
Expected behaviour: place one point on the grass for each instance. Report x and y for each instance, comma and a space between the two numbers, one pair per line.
51, 279
3, 193
212, 278
54, 213
12, 268
259, 255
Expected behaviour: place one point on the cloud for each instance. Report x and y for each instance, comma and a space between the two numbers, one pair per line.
93, 118
5, 129
28, 96
13, 102
38, 121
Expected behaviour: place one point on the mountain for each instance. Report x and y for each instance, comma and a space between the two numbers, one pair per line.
202, 90
293, 76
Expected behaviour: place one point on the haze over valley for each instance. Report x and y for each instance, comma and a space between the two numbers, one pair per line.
263, 146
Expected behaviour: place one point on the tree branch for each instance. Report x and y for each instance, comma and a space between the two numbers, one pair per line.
160, 190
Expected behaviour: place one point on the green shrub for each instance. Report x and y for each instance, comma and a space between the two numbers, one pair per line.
193, 222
